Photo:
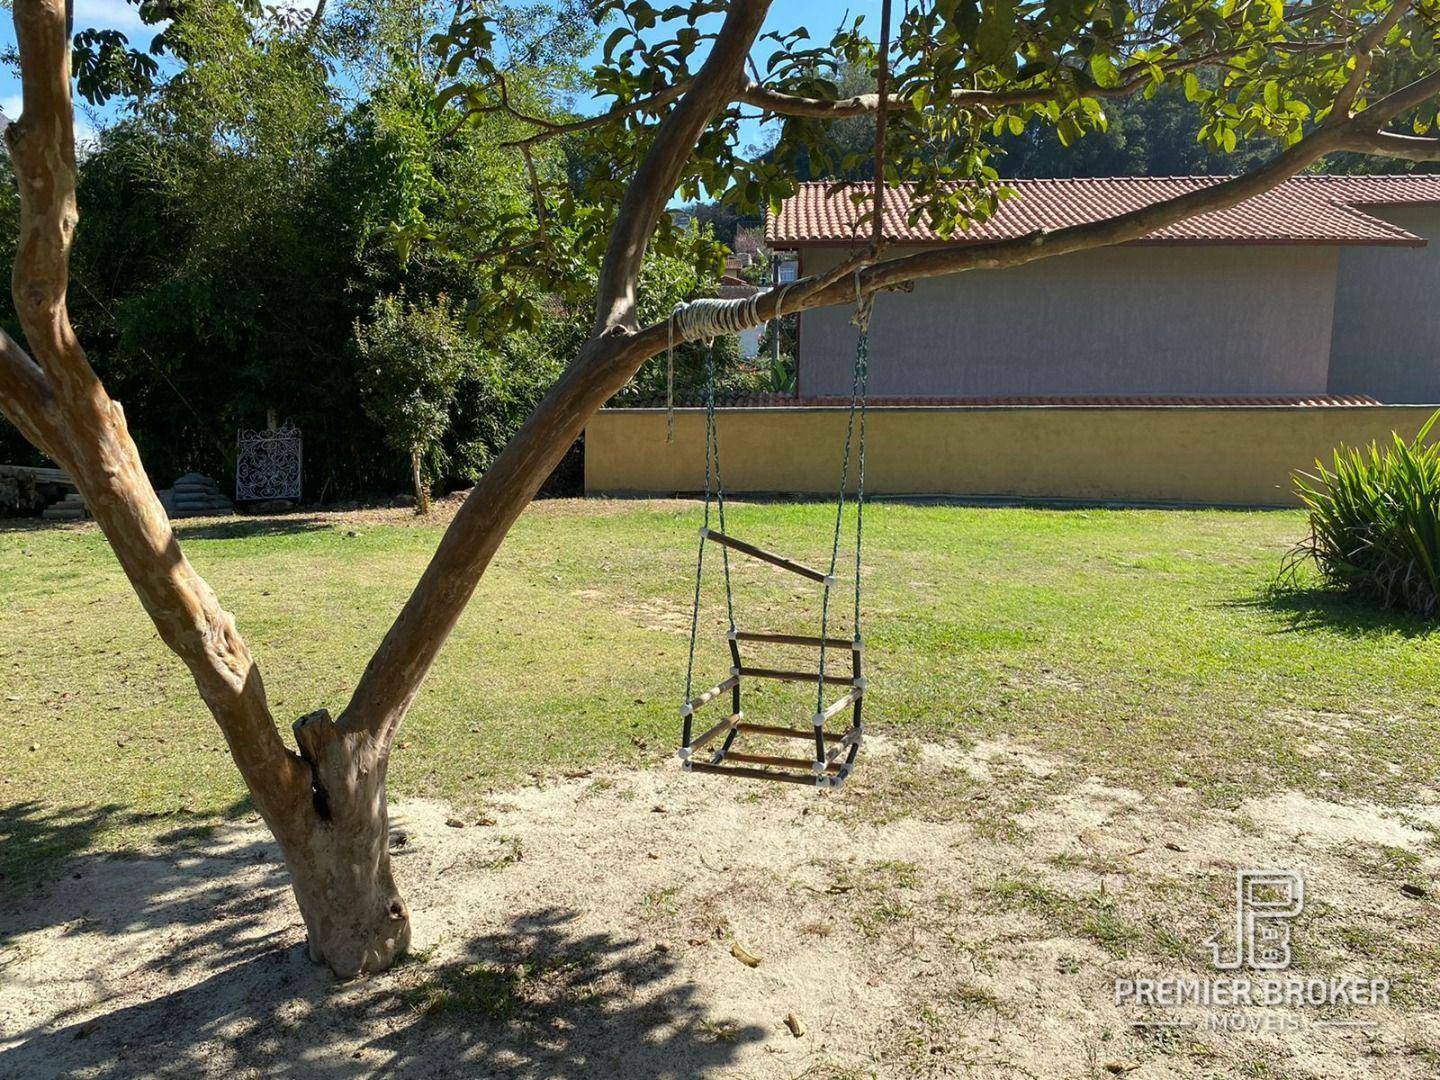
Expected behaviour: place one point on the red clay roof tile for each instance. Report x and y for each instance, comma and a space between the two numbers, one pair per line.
1303, 210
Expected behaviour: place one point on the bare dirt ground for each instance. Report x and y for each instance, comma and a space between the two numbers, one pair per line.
950, 913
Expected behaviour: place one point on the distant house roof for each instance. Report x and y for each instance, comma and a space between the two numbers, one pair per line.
1311, 209
735, 289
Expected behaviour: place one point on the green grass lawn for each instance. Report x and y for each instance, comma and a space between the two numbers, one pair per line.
1146, 647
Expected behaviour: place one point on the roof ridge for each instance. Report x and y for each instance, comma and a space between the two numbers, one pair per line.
1127, 178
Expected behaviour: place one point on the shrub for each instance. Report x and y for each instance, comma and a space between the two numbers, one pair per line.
1375, 522
412, 356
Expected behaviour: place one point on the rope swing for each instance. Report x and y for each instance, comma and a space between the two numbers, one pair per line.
834, 752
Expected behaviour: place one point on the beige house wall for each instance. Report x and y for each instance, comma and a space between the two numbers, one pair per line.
1165, 320
1220, 456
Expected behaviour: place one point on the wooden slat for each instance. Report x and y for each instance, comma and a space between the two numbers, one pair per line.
792, 676
784, 732
851, 736
782, 762
843, 703
723, 725
713, 692
753, 774
795, 639
763, 555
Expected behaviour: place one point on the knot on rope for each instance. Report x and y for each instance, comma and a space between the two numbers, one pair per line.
864, 302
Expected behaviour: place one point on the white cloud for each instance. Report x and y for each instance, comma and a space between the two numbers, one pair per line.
108, 15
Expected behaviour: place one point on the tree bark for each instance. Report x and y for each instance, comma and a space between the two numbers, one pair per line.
417, 480
354, 916
325, 806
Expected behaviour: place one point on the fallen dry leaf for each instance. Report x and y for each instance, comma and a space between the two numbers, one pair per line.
744, 955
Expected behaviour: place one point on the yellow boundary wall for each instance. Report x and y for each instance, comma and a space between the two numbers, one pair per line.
1236, 456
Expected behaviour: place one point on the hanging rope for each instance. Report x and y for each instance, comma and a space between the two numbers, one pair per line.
860, 378
708, 319
712, 455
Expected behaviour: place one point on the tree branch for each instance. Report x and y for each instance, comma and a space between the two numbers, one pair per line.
1364, 59
25, 396
826, 290
1379, 113
1389, 144
90, 438
317, 17
654, 182
1131, 80
552, 129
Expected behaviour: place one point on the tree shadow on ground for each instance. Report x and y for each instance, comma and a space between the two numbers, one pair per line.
40, 841
1302, 608
211, 942
35, 838
247, 527
198, 529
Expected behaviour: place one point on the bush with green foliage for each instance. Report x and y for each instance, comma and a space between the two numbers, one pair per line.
412, 357
255, 203
1375, 522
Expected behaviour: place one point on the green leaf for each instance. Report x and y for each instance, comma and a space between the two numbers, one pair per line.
1103, 70
995, 39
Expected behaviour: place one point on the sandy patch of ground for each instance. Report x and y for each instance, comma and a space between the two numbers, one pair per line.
929, 920
1315, 822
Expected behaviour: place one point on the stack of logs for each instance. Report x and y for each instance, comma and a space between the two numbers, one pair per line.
70, 508
195, 496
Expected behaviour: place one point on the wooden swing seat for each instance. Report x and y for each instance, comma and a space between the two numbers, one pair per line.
834, 751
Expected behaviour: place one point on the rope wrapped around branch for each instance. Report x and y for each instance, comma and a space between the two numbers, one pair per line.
705, 319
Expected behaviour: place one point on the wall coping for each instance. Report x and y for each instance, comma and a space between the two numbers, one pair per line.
806, 410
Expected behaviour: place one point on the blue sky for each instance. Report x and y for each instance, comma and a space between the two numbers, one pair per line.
819, 16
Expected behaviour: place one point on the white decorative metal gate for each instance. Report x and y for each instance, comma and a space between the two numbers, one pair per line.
268, 464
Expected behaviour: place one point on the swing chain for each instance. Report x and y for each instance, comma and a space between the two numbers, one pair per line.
859, 386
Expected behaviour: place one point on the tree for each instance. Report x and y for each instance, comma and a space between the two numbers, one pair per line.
276, 163
1314, 78
412, 356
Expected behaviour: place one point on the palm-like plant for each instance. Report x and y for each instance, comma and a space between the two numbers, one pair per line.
1375, 521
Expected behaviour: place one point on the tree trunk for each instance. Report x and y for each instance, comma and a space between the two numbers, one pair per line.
422, 490
338, 853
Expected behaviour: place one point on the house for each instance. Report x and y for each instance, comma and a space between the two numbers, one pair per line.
1205, 363
737, 288
1323, 287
